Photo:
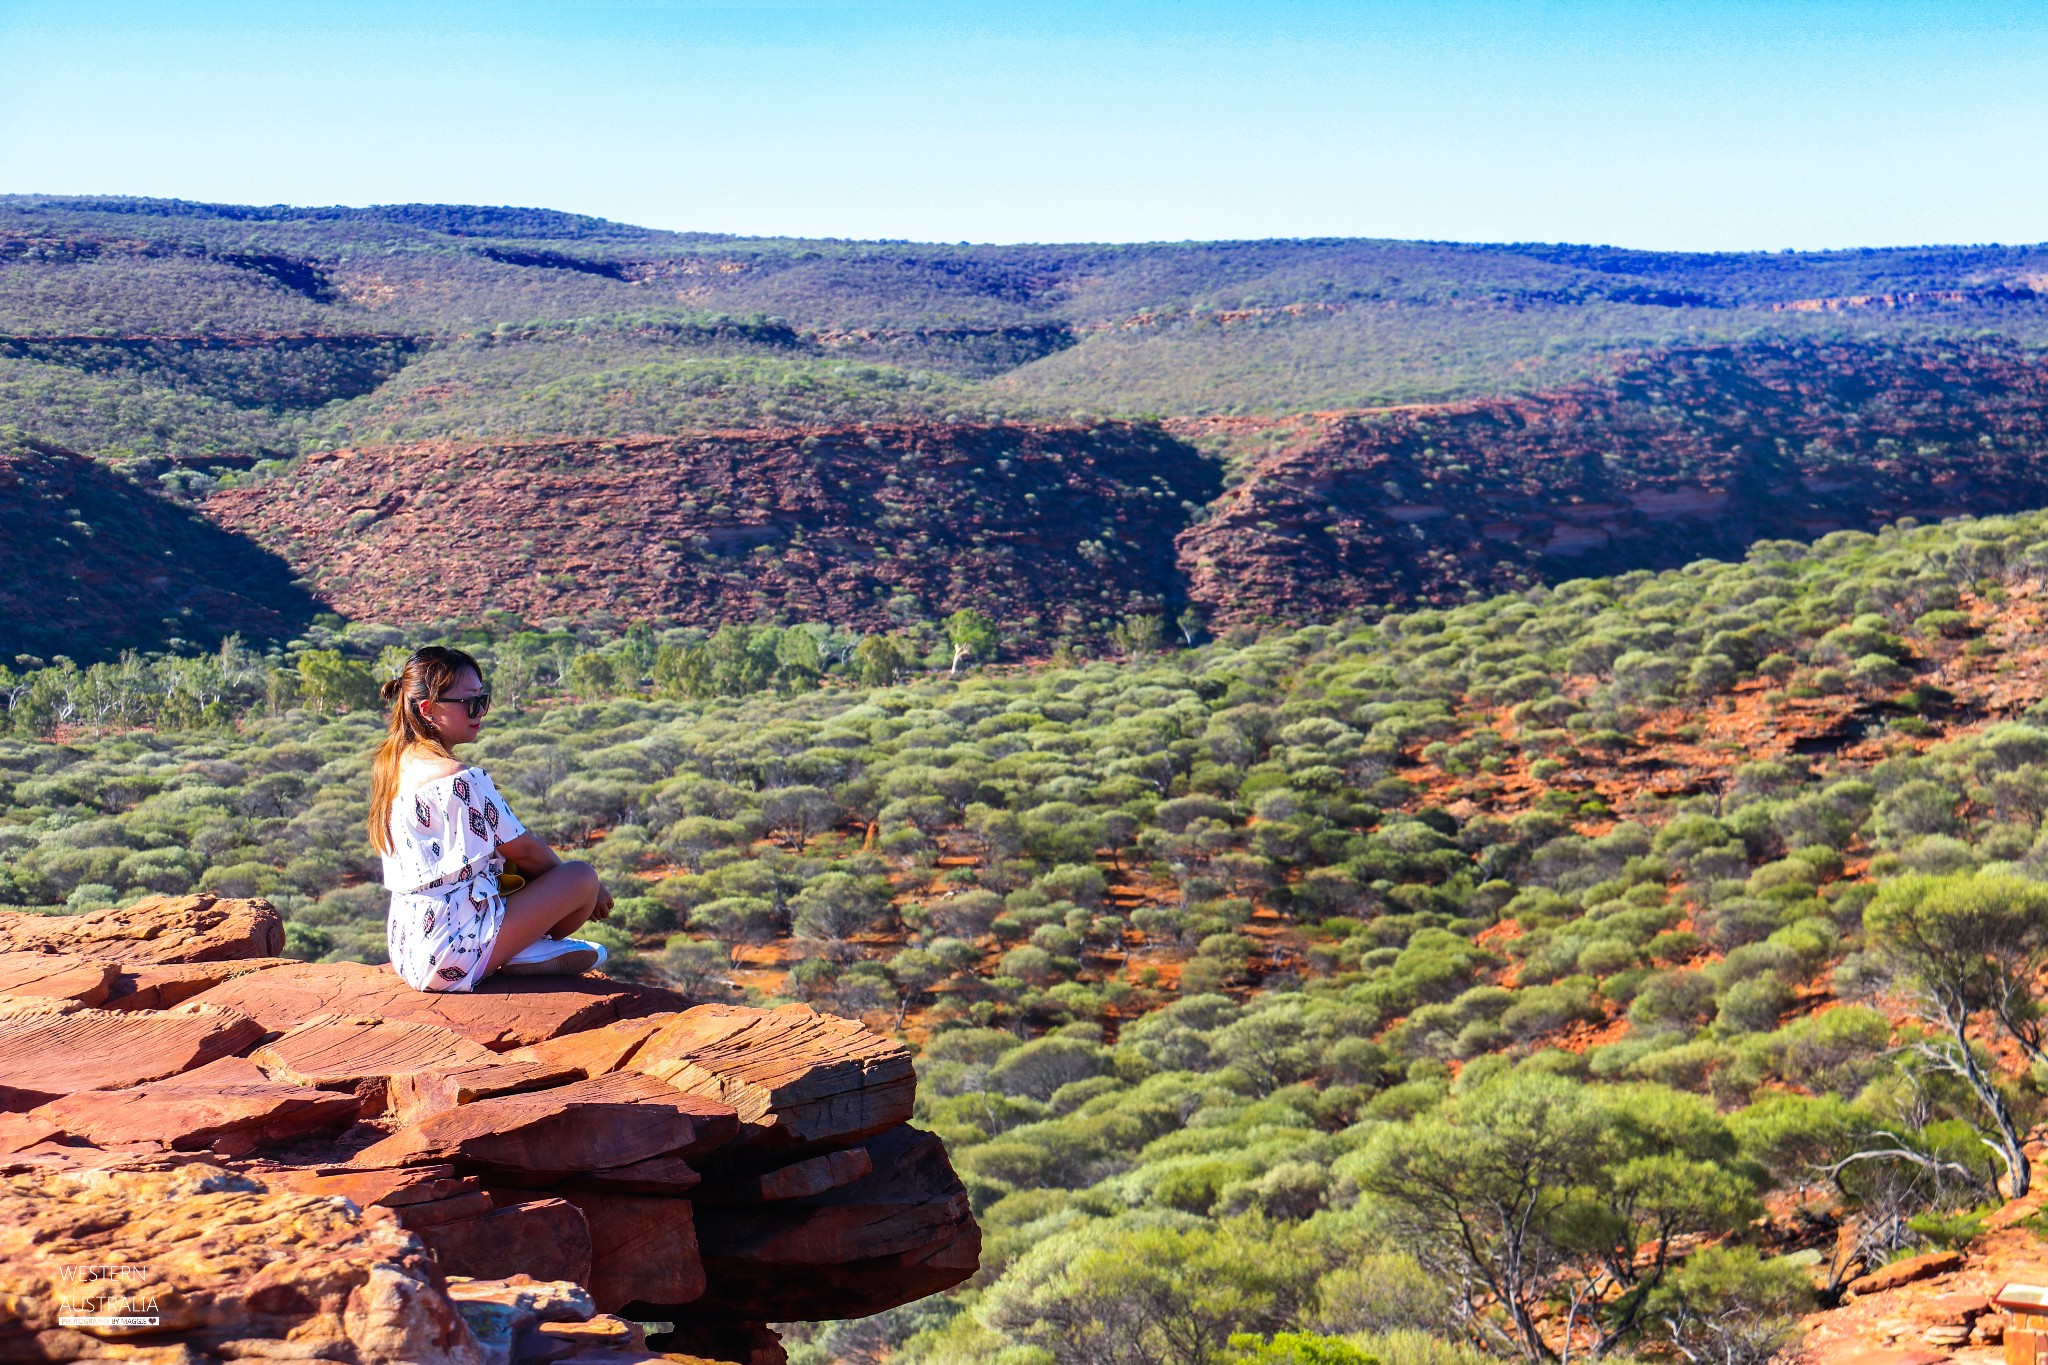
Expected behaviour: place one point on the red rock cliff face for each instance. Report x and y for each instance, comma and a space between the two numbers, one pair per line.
1054, 524
1674, 457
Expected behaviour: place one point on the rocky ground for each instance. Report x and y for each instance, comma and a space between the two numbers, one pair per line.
1937, 1306
250, 1158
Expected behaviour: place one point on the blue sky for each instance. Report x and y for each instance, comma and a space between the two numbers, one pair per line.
1675, 125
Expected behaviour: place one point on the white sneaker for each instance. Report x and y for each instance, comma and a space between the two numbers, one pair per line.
555, 957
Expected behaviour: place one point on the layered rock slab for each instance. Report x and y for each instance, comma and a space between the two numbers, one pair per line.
159, 986
43, 1058
415, 1095
154, 930
56, 976
504, 1013
229, 1118
796, 1078
340, 1052
606, 1121
593, 1051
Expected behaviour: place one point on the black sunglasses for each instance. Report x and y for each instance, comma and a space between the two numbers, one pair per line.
476, 706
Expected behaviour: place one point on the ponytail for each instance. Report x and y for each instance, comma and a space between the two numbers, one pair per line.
425, 679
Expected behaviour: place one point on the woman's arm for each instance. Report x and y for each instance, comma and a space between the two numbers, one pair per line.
529, 855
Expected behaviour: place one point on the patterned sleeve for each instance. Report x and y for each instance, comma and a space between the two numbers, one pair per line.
475, 820
501, 826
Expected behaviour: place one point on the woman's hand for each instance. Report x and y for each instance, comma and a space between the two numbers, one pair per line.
604, 904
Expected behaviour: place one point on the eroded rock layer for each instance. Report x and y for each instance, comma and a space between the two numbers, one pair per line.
521, 1174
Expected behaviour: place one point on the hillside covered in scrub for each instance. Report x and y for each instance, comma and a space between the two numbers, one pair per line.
1046, 528
160, 334
1571, 968
296, 409
90, 564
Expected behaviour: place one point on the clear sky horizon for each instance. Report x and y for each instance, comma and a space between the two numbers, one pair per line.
1793, 124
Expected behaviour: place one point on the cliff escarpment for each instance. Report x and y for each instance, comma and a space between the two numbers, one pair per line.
1059, 529
1678, 456
1047, 527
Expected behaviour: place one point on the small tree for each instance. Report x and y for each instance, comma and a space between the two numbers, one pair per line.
633, 657
800, 812
1727, 1306
743, 659
1533, 1187
835, 907
1102, 1291
329, 682
879, 660
691, 963
1138, 634
1967, 946
799, 661
1477, 1188
971, 635
735, 921
592, 675
682, 672
913, 972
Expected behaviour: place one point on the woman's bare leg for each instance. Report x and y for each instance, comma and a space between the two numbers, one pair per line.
555, 902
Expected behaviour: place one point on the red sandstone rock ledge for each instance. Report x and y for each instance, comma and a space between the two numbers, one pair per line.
209, 1153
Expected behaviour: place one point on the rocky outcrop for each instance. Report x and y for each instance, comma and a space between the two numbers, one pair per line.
158, 931
200, 1257
1922, 1267
856, 1246
511, 1014
797, 1079
521, 1174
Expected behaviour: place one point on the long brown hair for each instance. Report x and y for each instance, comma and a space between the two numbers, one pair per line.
425, 679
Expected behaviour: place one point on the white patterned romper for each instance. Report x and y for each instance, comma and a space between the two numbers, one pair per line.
442, 873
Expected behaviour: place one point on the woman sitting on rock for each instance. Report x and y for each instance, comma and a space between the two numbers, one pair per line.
446, 836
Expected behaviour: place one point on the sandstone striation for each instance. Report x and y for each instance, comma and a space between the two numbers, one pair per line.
795, 1077
522, 1174
511, 1014
44, 1057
